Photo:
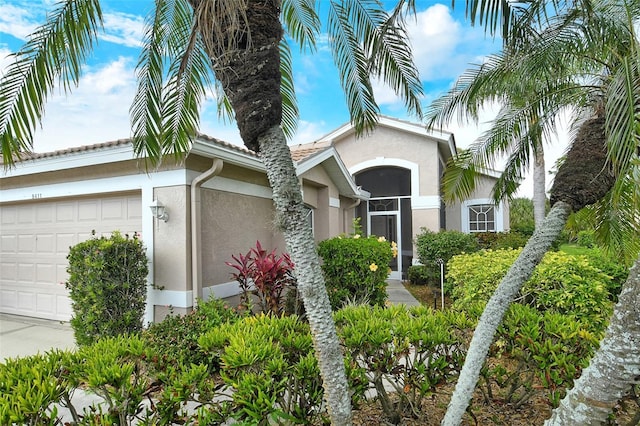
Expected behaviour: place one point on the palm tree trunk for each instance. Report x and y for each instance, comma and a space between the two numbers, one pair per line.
539, 193
290, 219
614, 368
582, 179
491, 318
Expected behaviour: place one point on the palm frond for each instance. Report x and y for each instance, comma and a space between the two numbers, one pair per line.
54, 53
460, 178
353, 66
166, 109
391, 61
290, 113
301, 22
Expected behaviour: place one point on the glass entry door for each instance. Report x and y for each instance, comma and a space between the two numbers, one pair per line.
387, 224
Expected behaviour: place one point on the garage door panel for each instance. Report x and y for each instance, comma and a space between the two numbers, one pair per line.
45, 243
26, 243
8, 244
64, 241
8, 215
26, 301
65, 212
9, 271
35, 242
26, 272
25, 215
88, 211
45, 213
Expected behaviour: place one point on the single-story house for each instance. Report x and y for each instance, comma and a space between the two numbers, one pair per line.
218, 203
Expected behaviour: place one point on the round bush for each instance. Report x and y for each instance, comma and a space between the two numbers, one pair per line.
356, 269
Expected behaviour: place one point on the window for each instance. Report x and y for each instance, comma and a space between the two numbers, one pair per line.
482, 218
309, 217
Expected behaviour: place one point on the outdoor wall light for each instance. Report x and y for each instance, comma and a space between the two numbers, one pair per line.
159, 211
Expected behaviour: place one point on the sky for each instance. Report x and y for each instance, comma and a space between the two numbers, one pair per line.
96, 111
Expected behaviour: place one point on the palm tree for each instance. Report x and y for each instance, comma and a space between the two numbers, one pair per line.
596, 44
239, 44
516, 131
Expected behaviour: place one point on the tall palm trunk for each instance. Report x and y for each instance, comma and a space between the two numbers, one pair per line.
291, 219
539, 191
583, 179
244, 48
614, 369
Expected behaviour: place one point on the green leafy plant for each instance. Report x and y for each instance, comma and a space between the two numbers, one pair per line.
548, 346
412, 350
423, 275
434, 247
108, 286
562, 283
269, 363
32, 388
356, 268
173, 342
586, 239
265, 274
501, 240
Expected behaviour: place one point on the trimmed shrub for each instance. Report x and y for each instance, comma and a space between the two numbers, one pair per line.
423, 275
432, 246
501, 240
356, 268
108, 287
443, 245
411, 350
562, 283
269, 363
586, 239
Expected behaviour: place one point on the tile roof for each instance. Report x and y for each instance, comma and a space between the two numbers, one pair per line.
303, 151
122, 142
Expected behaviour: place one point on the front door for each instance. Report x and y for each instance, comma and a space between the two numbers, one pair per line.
387, 224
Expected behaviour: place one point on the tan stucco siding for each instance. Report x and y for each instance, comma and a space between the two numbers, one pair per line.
231, 224
425, 218
385, 143
172, 241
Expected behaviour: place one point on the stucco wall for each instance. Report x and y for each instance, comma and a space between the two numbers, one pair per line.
394, 144
172, 259
231, 224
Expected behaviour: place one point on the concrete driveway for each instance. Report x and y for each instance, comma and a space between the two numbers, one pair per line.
23, 336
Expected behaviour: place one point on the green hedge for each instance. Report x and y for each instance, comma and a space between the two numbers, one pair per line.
108, 286
562, 283
356, 269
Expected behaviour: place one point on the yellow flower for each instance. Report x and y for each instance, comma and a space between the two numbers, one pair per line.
355, 237
394, 245
381, 239
373, 267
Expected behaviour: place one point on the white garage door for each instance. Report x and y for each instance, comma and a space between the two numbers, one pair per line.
35, 240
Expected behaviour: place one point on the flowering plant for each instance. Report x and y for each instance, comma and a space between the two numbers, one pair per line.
355, 268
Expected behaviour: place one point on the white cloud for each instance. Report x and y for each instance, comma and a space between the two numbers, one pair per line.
123, 28
96, 111
309, 131
18, 21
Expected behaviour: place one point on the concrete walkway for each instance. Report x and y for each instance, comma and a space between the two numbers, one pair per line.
398, 295
23, 336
